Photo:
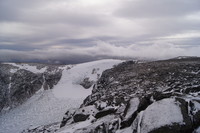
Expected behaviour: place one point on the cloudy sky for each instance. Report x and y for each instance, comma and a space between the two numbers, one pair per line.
81, 30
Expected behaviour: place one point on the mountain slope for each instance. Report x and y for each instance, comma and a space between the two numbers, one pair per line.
54, 90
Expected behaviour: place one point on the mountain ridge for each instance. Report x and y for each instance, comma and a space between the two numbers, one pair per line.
174, 83
133, 96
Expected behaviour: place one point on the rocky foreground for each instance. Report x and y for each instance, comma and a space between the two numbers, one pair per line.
139, 97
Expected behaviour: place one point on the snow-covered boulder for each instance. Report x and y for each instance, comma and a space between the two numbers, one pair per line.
163, 116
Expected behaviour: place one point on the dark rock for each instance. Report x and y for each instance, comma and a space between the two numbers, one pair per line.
80, 117
24, 85
68, 116
105, 112
86, 83
192, 89
195, 104
100, 129
144, 102
184, 110
113, 126
159, 95
52, 79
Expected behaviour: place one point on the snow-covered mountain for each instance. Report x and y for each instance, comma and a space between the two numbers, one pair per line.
37, 94
132, 97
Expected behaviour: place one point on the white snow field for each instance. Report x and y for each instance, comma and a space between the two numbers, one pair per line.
49, 106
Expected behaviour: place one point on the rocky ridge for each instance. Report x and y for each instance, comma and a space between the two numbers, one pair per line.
141, 97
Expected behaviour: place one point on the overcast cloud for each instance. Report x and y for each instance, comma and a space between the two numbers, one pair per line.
73, 31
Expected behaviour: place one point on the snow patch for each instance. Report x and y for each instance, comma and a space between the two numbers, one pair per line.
13, 70
197, 130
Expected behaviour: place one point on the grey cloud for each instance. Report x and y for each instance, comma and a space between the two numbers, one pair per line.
100, 51
70, 31
10, 10
34, 12
158, 8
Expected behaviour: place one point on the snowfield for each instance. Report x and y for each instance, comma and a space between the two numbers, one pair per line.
49, 106
41, 109
69, 85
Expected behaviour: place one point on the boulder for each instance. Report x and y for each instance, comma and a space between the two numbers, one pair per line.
105, 112
80, 117
165, 116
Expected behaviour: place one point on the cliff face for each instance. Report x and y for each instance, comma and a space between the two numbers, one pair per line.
151, 97
18, 82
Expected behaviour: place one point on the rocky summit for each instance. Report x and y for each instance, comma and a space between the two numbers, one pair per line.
139, 97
